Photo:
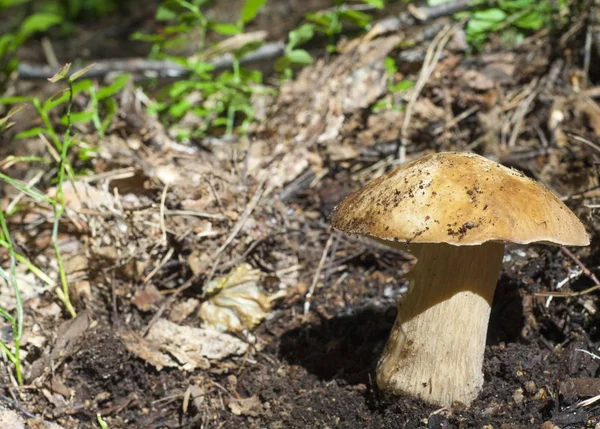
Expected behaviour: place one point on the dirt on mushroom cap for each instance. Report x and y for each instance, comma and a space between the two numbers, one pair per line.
458, 198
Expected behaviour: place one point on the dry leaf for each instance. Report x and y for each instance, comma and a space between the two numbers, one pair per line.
41, 424
246, 406
170, 345
146, 299
83, 195
236, 301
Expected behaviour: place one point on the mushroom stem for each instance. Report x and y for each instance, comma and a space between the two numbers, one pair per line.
436, 347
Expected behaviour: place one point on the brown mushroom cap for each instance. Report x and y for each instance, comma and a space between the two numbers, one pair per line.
458, 198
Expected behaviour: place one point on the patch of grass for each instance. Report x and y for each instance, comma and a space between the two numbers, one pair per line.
221, 103
16, 321
331, 22
24, 28
99, 111
513, 20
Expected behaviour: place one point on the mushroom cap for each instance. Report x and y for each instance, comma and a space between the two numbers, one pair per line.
458, 198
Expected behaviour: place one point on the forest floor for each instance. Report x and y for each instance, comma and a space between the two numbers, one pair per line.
159, 238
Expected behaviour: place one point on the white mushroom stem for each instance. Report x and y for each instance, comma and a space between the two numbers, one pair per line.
436, 347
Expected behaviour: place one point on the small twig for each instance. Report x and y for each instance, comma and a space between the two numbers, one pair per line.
588, 52
163, 226
116, 174
161, 264
217, 198
169, 302
313, 286
15, 405
445, 9
49, 53
434, 51
585, 271
195, 214
456, 120
242, 220
581, 265
572, 276
520, 116
589, 401
584, 141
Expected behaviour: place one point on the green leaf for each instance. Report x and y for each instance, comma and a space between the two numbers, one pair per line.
189, 6
178, 109
77, 118
324, 19
164, 13
8, 43
515, 5
114, 87
224, 28
4, 124
87, 153
359, 18
33, 193
494, 15
390, 66
376, 3
38, 22
111, 110
299, 56
531, 20
250, 10
282, 63
143, 37
247, 48
63, 96
9, 3
485, 21
300, 35
32, 132
403, 85
14, 100
61, 74
81, 72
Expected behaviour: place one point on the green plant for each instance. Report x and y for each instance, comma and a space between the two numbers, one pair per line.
23, 30
16, 322
331, 22
101, 422
512, 19
393, 86
216, 101
328, 22
293, 56
99, 111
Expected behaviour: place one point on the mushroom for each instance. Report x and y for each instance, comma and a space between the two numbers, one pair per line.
454, 211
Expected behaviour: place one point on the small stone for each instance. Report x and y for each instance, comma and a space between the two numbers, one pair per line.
530, 387
437, 421
541, 395
518, 396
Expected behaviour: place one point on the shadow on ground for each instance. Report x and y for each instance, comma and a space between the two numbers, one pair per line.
348, 347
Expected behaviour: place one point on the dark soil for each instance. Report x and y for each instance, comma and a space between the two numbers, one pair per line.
316, 370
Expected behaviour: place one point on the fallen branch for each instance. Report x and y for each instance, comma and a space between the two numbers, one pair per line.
159, 68
268, 51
